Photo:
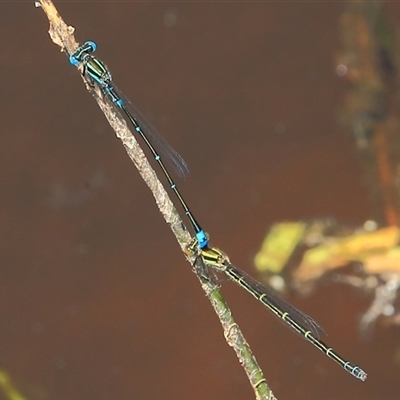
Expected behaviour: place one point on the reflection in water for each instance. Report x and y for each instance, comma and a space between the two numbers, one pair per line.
367, 61
306, 251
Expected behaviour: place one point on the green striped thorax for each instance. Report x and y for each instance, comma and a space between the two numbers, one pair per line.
212, 256
95, 69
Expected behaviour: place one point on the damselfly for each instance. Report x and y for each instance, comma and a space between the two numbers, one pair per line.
98, 73
301, 323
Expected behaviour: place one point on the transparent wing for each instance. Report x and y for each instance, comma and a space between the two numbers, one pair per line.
302, 319
166, 151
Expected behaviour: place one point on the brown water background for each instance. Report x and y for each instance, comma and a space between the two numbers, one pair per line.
96, 300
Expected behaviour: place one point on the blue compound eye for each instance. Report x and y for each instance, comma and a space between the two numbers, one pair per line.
77, 56
73, 60
91, 44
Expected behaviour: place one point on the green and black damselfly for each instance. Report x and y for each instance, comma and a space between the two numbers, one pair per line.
301, 323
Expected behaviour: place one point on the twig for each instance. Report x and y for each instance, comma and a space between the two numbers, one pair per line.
62, 35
